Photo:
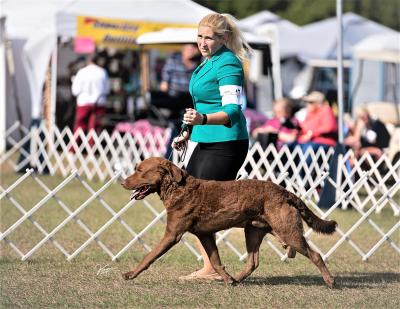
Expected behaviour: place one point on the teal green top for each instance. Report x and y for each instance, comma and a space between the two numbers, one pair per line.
223, 68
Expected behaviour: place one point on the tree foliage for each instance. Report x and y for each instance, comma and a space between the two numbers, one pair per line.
301, 12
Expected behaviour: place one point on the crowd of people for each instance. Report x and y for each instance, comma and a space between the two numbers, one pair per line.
315, 126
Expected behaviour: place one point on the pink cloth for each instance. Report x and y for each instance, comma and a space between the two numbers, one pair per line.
280, 126
323, 125
144, 127
277, 124
255, 118
141, 126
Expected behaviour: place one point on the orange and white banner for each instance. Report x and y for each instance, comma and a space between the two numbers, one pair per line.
120, 33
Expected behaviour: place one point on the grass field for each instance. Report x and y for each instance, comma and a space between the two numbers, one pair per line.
91, 280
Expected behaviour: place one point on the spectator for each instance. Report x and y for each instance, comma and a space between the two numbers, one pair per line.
280, 130
319, 128
90, 85
367, 135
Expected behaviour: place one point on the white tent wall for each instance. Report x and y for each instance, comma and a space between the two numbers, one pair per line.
30, 29
376, 82
369, 86
376, 70
17, 92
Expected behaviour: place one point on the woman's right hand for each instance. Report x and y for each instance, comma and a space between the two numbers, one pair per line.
180, 141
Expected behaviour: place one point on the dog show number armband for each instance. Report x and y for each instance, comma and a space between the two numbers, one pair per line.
204, 119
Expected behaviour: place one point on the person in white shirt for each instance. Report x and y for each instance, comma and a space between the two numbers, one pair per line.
90, 86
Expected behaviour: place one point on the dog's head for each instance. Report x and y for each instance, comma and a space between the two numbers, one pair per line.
150, 174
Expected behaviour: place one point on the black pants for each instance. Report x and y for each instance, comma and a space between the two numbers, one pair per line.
218, 161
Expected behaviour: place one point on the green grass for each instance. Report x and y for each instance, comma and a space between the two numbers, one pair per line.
91, 280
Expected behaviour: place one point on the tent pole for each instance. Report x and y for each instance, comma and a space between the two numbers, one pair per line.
53, 87
340, 68
2, 86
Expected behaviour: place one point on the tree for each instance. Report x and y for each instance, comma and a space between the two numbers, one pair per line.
301, 12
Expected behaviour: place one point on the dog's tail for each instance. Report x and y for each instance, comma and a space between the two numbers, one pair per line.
316, 223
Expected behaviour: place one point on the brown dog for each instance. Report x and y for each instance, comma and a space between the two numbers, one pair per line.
204, 207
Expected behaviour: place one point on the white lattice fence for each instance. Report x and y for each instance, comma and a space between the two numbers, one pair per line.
92, 155
369, 191
136, 235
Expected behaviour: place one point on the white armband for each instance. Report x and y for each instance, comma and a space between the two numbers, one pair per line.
231, 94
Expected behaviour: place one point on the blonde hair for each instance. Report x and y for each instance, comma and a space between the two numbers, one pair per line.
224, 25
286, 104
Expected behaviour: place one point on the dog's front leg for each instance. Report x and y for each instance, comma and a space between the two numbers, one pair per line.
163, 246
208, 242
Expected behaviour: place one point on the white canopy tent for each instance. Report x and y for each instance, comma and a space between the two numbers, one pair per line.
319, 50
287, 40
320, 39
34, 27
289, 34
30, 29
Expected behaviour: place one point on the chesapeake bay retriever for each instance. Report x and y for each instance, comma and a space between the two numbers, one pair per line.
204, 207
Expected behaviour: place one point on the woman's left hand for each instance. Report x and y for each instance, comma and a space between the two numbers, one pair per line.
192, 117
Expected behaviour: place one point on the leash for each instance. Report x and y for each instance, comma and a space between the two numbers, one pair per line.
184, 147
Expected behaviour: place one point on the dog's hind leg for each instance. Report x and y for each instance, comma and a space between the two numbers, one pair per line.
210, 246
302, 247
254, 237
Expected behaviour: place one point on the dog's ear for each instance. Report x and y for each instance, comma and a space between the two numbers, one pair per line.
175, 172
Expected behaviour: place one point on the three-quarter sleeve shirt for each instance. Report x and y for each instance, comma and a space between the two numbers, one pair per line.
216, 86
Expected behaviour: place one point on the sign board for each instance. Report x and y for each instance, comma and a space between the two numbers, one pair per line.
118, 33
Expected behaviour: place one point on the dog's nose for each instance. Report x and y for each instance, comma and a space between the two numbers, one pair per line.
123, 182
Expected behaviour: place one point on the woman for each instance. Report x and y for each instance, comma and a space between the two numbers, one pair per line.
283, 125
217, 122
319, 128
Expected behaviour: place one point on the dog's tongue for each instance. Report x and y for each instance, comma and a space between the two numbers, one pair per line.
135, 195
139, 194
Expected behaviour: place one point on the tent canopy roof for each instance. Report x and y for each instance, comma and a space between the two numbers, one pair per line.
288, 32
187, 35
380, 47
166, 11
320, 38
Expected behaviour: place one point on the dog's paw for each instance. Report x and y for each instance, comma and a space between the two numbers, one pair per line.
330, 282
128, 275
233, 282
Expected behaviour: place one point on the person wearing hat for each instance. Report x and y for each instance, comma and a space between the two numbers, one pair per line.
319, 127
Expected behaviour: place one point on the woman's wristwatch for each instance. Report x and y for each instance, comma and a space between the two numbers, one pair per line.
204, 119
